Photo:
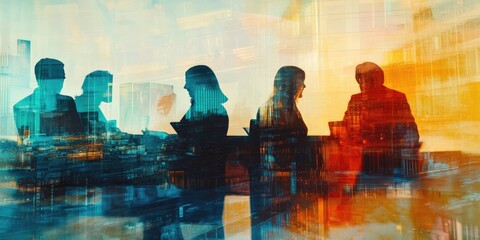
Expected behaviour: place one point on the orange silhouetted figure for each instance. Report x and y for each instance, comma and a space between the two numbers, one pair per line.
379, 120
379, 116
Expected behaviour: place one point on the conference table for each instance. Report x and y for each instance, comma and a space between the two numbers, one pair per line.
140, 186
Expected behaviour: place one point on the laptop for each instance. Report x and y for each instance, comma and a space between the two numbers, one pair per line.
179, 128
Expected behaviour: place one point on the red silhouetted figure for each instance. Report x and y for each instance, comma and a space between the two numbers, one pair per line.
380, 121
379, 115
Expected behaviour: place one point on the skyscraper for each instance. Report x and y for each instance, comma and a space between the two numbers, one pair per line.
14, 84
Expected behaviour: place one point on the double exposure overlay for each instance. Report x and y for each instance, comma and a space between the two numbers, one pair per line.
287, 119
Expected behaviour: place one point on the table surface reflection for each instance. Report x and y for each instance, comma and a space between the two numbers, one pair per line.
441, 203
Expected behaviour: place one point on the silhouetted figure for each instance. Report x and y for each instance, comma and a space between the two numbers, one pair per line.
279, 126
97, 88
202, 131
281, 135
46, 111
280, 113
379, 119
207, 119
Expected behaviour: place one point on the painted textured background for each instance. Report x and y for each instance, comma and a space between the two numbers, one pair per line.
429, 50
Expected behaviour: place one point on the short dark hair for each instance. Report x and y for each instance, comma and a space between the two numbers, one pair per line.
49, 68
97, 80
373, 70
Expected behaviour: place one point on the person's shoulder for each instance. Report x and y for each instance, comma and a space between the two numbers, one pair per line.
356, 97
269, 103
82, 103
266, 107
65, 99
79, 98
394, 93
25, 102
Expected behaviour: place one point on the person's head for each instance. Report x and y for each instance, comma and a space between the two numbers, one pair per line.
99, 84
50, 75
289, 82
369, 76
202, 84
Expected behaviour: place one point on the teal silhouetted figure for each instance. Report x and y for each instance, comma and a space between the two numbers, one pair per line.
47, 112
97, 88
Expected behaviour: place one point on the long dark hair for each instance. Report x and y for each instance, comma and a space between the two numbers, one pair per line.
203, 78
285, 83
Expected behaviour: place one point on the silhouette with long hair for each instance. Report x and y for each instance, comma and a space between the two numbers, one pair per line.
97, 88
280, 113
46, 111
279, 127
207, 119
202, 131
279, 134
380, 120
